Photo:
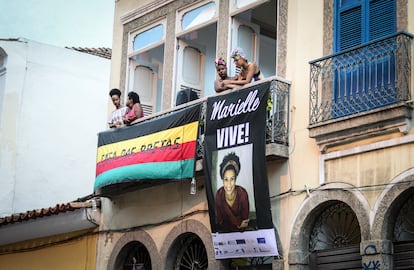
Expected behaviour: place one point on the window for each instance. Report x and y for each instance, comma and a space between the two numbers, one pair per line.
144, 79
148, 37
196, 50
361, 21
254, 30
198, 15
364, 77
237, 6
146, 60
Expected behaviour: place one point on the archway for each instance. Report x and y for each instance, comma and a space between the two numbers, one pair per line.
187, 235
335, 238
317, 207
394, 218
134, 256
188, 252
403, 238
135, 251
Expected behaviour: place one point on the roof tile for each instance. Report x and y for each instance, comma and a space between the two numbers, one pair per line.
38, 213
101, 52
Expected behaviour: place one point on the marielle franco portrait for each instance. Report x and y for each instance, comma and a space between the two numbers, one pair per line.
234, 202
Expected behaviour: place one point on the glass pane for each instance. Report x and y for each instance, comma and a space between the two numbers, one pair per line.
337, 226
242, 3
191, 62
245, 40
198, 15
145, 74
148, 37
143, 83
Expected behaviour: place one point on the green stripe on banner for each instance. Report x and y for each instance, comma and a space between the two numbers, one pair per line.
146, 171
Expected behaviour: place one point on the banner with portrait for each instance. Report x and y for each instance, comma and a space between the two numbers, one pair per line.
235, 172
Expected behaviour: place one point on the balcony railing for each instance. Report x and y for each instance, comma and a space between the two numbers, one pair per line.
121, 154
277, 119
364, 78
278, 115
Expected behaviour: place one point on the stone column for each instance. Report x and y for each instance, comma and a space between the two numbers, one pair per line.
298, 260
377, 255
278, 264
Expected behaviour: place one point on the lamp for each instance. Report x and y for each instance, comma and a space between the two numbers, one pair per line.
193, 186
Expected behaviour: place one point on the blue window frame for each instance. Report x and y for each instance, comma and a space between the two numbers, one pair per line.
361, 21
362, 81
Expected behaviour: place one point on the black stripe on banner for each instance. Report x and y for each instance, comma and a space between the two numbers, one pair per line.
171, 120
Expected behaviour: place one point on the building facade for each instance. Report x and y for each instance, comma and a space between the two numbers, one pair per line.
39, 86
340, 146
53, 102
60, 237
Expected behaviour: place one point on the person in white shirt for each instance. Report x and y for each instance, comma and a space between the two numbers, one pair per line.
116, 118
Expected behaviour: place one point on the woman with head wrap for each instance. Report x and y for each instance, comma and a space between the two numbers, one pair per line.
250, 72
232, 201
221, 68
115, 120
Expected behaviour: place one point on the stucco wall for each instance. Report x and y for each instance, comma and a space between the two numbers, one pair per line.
54, 103
69, 255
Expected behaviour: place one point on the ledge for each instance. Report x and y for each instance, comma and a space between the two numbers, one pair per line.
390, 119
275, 151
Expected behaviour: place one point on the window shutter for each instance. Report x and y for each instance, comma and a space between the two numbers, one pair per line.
350, 28
382, 21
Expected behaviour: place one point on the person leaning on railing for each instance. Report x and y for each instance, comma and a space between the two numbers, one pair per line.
134, 110
250, 72
221, 68
116, 118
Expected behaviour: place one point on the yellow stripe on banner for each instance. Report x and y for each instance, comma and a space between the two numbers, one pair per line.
165, 138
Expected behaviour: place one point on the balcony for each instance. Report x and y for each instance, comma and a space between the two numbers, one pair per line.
361, 92
277, 140
277, 119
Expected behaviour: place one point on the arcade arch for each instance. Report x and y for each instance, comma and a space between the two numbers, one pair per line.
321, 206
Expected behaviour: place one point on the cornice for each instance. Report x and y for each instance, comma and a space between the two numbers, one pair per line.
141, 11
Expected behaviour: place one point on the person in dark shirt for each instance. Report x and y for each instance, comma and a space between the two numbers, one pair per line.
221, 68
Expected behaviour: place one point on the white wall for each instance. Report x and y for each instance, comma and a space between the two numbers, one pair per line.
53, 103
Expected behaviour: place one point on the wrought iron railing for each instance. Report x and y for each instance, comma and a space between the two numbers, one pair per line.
277, 119
361, 79
278, 112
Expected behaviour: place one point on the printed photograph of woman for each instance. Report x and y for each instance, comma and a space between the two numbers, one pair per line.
232, 200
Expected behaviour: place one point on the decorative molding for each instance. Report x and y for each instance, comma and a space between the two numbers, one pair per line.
361, 149
374, 123
281, 34
141, 11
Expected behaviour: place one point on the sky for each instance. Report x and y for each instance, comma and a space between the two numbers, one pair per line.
62, 23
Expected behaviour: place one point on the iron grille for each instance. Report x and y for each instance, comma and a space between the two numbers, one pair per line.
361, 79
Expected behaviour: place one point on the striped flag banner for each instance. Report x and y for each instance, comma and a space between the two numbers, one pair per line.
159, 149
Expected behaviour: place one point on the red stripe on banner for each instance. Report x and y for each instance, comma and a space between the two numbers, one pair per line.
174, 153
